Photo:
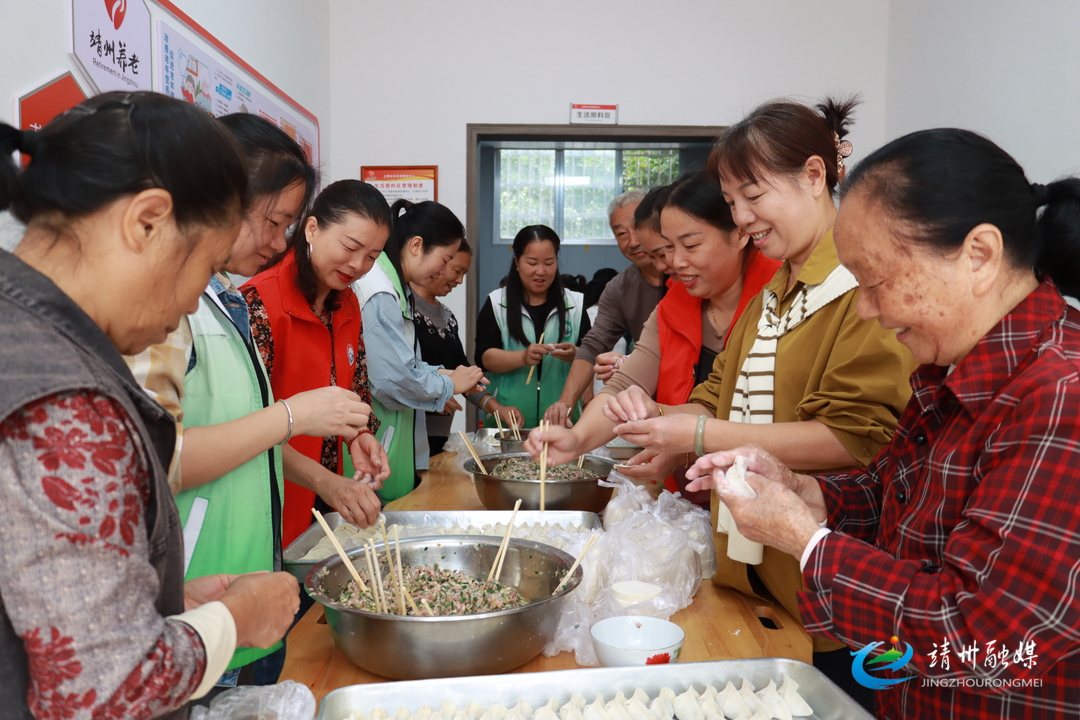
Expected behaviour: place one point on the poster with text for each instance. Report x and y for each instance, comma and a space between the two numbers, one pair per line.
411, 182
111, 43
192, 69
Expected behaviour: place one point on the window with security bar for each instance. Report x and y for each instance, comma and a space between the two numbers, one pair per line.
569, 189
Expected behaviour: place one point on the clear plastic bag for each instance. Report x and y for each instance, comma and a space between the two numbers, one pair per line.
661, 542
288, 700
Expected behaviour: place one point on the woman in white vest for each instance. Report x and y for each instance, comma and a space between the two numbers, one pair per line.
232, 458
527, 332
423, 240
802, 375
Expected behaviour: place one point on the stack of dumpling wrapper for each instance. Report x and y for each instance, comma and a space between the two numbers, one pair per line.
741, 703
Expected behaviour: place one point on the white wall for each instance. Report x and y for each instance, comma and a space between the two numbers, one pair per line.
285, 40
1006, 69
408, 77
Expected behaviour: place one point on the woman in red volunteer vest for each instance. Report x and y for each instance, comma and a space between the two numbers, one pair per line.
306, 322
714, 274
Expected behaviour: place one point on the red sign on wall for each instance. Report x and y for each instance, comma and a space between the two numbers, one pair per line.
38, 107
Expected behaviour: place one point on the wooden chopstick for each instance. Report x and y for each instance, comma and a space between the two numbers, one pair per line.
514, 427
532, 368
543, 464
371, 574
400, 571
498, 424
496, 564
570, 573
340, 550
580, 461
479, 462
424, 602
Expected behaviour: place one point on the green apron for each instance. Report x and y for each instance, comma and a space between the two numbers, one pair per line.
546, 386
399, 425
231, 528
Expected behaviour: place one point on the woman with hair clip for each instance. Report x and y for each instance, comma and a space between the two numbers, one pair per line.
527, 333
440, 344
714, 276
124, 225
424, 238
233, 454
962, 534
306, 322
802, 375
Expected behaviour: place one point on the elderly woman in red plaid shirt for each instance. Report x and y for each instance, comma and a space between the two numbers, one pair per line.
961, 540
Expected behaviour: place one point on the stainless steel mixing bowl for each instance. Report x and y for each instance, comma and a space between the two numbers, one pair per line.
409, 647
508, 444
499, 494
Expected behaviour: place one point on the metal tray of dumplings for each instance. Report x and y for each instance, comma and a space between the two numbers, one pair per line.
298, 548
827, 700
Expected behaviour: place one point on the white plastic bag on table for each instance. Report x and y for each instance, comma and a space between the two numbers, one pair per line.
629, 497
288, 700
455, 444
695, 521
646, 540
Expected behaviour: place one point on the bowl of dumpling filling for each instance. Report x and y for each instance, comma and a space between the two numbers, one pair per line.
516, 476
443, 606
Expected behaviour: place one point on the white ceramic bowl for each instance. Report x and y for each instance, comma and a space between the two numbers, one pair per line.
634, 640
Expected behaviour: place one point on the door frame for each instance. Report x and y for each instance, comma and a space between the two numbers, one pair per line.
477, 132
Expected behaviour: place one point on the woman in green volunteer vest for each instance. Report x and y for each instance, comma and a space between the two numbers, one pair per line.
424, 238
208, 373
527, 332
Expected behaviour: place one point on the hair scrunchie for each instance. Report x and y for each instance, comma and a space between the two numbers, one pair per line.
1039, 192
28, 142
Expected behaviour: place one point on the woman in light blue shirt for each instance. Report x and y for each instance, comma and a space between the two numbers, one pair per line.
423, 240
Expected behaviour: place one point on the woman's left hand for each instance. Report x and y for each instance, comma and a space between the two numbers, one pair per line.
564, 351
208, 588
356, 501
777, 517
369, 459
671, 433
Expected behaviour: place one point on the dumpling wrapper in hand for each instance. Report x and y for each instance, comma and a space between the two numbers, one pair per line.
775, 703
687, 708
735, 478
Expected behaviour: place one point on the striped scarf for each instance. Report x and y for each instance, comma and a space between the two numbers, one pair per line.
753, 398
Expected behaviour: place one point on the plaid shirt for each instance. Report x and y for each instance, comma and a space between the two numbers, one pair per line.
962, 537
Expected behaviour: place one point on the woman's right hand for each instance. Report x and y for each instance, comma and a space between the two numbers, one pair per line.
467, 379
607, 364
631, 405
562, 445
263, 606
328, 411
533, 354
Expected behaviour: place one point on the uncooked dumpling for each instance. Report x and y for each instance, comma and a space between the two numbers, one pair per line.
641, 696
473, 711
735, 478
617, 708
730, 701
789, 690
596, 710
686, 706
775, 703
637, 710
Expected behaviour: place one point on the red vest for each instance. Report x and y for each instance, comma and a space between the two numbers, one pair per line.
302, 351
678, 322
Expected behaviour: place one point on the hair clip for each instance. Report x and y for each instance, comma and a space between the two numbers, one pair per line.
844, 149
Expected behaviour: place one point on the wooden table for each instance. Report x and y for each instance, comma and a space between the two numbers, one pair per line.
720, 624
